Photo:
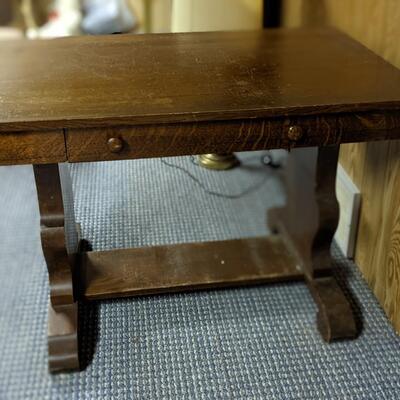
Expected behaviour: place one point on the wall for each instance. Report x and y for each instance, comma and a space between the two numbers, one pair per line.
209, 15
374, 167
154, 15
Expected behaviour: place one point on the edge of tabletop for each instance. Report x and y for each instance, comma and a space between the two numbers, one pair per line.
198, 117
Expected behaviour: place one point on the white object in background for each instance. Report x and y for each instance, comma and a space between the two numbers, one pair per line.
216, 15
349, 198
7, 33
107, 16
64, 20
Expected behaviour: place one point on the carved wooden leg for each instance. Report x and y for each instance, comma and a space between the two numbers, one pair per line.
60, 244
308, 223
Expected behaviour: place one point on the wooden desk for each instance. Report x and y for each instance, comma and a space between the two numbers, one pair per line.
120, 97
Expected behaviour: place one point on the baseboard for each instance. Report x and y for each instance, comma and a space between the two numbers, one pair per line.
349, 198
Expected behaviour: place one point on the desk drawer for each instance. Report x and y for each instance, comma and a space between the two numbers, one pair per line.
143, 141
42, 147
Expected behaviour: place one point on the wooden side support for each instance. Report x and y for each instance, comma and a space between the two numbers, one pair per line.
60, 243
301, 250
308, 223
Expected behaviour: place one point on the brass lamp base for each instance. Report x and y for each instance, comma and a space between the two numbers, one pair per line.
218, 161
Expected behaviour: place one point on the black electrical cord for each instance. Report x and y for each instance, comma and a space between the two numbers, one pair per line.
266, 160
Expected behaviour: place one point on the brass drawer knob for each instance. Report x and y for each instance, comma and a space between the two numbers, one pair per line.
115, 145
295, 132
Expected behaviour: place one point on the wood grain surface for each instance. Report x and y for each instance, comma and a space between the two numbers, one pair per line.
59, 237
141, 141
378, 243
310, 185
186, 266
32, 147
136, 79
374, 167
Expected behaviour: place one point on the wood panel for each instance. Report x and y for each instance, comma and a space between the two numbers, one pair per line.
374, 167
187, 266
143, 141
59, 236
32, 147
378, 244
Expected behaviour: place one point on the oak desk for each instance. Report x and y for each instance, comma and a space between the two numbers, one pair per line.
119, 97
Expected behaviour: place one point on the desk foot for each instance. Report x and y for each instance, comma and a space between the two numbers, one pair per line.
63, 338
335, 319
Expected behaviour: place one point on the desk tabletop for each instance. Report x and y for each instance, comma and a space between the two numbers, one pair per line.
89, 81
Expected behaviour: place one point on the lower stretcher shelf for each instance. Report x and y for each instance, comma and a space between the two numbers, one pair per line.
188, 266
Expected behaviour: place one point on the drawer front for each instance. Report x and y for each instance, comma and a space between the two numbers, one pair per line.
124, 142
32, 147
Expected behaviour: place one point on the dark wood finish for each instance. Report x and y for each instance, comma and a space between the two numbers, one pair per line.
118, 97
162, 95
308, 223
173, 78
32, 147
93, 144
60, 243
188, 266
142, 141
63, 338
335, 319
310, 218
298, 220
373, 167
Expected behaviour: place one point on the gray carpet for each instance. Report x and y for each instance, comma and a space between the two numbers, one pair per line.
248, 343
